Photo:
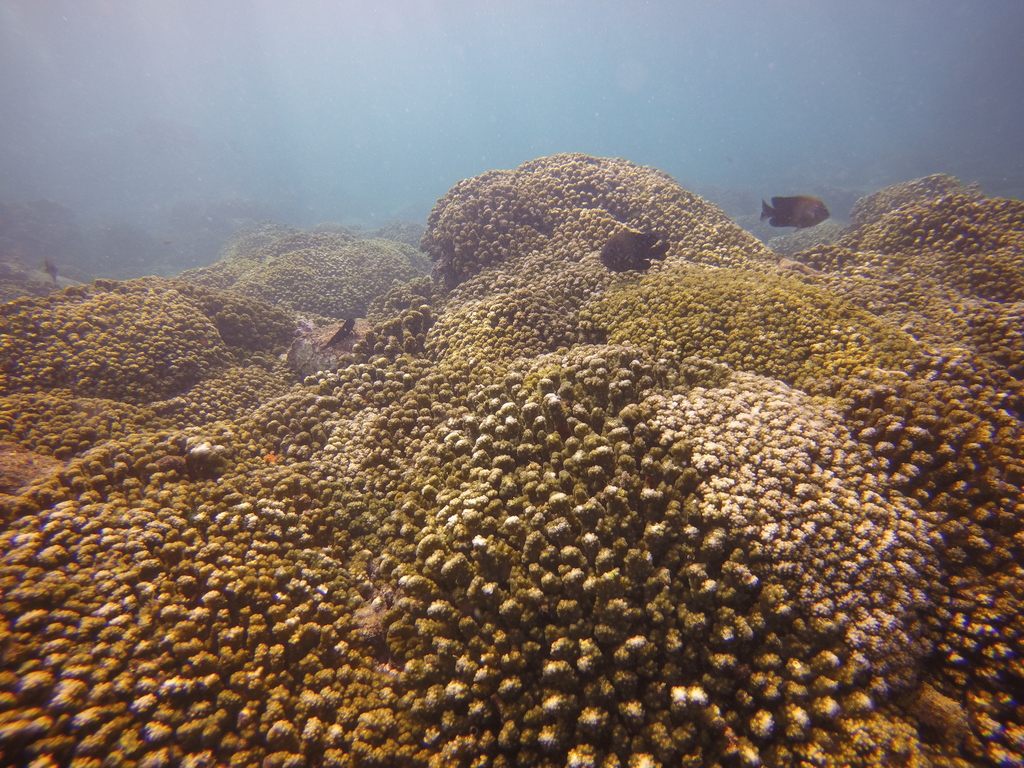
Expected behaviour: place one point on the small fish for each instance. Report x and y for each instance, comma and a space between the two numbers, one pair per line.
51, 269
342, 333
801, 211
629, 249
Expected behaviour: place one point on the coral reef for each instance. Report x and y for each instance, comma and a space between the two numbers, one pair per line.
767, 324
35, 235
18, 284
870, 208
948, 270
245, 251
523, 310
330, 274
574, 202
220, 395
34, 230
974, 246
408, 232
800, 240
60, 424
402, 297
711, 515
324, 348
523, 248
133, 342
19, 468
632, 599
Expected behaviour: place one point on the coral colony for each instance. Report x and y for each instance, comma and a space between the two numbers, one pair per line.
702, 512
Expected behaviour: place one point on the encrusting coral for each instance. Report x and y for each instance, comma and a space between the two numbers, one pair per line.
710, 515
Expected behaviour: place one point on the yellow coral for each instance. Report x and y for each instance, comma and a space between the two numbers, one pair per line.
329, 274
767, 324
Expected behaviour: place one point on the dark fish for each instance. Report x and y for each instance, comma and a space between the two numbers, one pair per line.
629, 249
51, 269
342, 333
801, 211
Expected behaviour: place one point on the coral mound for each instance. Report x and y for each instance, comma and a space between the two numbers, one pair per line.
636, 548
523, 248
871, 208
135, 341
975, 245
767, 324
574, 203
946, 269
331, 274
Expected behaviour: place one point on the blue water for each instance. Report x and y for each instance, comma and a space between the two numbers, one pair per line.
307, 111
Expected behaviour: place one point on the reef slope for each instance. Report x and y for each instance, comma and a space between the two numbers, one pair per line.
544, 514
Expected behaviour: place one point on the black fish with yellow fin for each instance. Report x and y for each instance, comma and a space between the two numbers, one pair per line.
800, 211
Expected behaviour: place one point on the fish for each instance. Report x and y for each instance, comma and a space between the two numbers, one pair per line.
629, 249
51, 269
800, 211
342, 333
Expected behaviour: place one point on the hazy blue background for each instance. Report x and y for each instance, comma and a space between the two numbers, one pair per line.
147, 115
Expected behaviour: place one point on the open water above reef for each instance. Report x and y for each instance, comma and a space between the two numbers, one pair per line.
155, 130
